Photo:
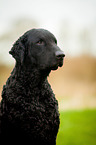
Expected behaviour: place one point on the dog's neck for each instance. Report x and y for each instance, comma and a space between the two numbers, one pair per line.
30, 76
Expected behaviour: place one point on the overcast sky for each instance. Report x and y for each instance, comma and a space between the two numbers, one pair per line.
79, 12
49, 13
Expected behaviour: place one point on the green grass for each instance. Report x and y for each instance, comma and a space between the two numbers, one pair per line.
77, 128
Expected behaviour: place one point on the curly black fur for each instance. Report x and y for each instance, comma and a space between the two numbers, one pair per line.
29, 110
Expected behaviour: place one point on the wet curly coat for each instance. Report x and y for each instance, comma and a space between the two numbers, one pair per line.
29, 110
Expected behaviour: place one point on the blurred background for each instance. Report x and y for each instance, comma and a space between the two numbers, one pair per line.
73, 22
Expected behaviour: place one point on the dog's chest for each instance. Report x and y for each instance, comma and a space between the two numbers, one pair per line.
43, 115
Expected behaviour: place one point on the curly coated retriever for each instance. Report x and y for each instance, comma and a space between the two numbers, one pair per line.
29, 109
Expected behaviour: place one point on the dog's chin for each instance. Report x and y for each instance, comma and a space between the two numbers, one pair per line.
55, 67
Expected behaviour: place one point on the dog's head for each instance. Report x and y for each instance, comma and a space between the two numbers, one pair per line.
38, 48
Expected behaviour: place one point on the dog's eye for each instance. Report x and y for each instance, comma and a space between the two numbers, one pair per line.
55, 41
40, 42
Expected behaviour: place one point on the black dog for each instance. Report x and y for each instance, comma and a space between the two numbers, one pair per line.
29, 110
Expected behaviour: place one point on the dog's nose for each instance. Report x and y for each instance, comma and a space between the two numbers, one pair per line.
59, 54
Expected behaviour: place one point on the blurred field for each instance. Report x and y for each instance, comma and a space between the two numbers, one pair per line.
77, 128
74, 84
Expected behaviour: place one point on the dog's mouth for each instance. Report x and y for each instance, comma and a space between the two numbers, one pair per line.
59, 63
52, 65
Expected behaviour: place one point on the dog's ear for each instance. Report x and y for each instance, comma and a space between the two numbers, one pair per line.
18, 50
